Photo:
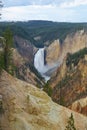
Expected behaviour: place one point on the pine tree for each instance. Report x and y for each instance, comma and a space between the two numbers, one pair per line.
70, 125
8, 42
6, 54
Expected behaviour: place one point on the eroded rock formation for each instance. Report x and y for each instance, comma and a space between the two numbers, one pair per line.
29, 108
72, 43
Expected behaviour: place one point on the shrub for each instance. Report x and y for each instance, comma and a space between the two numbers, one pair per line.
47, 89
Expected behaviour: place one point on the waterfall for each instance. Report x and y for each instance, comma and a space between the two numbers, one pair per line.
39, 63
43, 69
39, 60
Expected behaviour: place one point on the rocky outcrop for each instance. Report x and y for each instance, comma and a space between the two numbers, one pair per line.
72, 43
18, 60
53, 52
25, 48
72, 86
58, 74
24, 70
29, 108
28, 73
80, 106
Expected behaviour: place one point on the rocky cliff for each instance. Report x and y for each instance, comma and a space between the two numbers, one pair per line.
53, 52
25, 107
25, 48
24, 70
80, 106
69, 83
58, 74
71, 44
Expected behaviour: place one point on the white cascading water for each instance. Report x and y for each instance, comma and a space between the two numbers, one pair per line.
39, 63
39, 60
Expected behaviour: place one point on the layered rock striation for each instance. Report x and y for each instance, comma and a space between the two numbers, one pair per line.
26, 107
73, 42
69, 84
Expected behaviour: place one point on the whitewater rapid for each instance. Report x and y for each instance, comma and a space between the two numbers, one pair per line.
39, 63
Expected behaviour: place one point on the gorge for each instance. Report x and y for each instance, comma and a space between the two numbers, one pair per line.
57, 52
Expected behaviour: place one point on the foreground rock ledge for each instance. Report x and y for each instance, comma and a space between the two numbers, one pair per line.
29, 108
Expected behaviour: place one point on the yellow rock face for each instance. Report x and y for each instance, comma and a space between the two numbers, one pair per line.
53, 52
80, 106
29, 108
72, 43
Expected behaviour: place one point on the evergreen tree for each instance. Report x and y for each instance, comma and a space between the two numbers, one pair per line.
70, 125
6, 54
8, 43
1, 61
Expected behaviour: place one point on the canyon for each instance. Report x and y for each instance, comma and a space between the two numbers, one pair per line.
50, 57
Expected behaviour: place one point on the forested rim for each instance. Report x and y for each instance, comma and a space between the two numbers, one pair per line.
47, 30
